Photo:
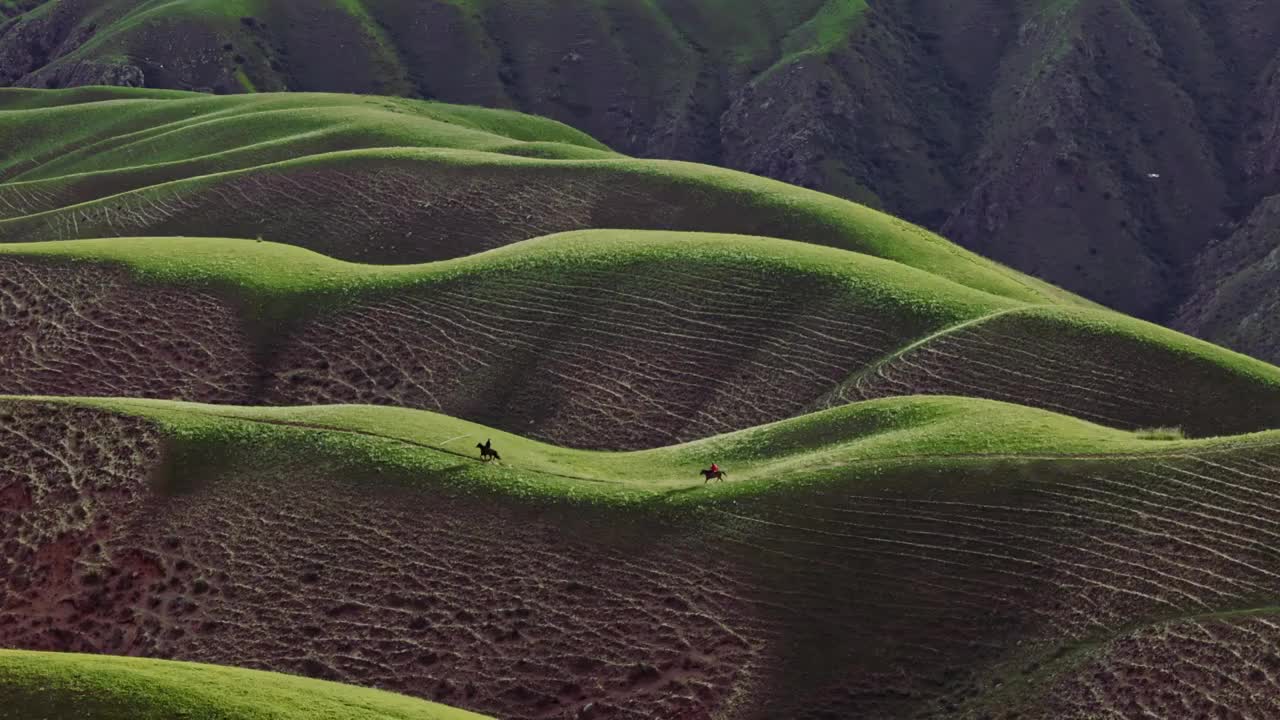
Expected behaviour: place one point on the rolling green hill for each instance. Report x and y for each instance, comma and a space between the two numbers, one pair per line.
915, 557
431, 188
1101, 146
600, 339
249, 346
60, 685
92, 130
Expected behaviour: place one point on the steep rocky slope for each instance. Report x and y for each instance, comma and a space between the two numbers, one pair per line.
1235, 283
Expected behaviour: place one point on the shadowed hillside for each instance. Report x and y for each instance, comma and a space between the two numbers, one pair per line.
905, 558
1236, 300
1101, 146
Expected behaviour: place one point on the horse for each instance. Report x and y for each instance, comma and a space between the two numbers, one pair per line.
709, 474
487, 452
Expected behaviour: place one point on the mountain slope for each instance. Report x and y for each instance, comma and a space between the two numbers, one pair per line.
880, 559
59, 685
603, 339
1235, 300
1099, 146
462, 193
890, 541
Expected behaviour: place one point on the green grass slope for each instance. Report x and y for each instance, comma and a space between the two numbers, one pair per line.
1101, 365
423, 182
899, 558
812, 446
603, 339
90, 130
93, 687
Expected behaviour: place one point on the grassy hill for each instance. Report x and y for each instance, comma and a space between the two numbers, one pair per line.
1099, 146
60, 685
92, 130
102, 163
601, 339
917, 557
953, 491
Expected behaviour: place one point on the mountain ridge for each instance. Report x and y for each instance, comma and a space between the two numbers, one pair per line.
1102, 148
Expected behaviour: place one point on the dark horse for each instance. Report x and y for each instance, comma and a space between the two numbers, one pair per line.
709, 474
487, 452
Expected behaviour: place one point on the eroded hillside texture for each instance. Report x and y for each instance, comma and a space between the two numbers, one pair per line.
1060, 587
1123, 150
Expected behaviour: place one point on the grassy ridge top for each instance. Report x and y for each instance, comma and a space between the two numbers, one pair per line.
96, 687
609, 338
96, 129
820, 447
393, 180
266, 271
263, 272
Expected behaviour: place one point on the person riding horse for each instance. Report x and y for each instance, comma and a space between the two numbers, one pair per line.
714, 472
486, 451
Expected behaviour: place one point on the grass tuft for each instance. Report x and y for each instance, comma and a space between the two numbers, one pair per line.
1160, 433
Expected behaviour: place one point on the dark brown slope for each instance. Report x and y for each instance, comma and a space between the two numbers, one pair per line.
1234, 300
1116, 144
1237, 287
904, 592
13, 8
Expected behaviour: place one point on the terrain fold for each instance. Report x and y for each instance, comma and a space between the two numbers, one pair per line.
911, 533
600, 339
